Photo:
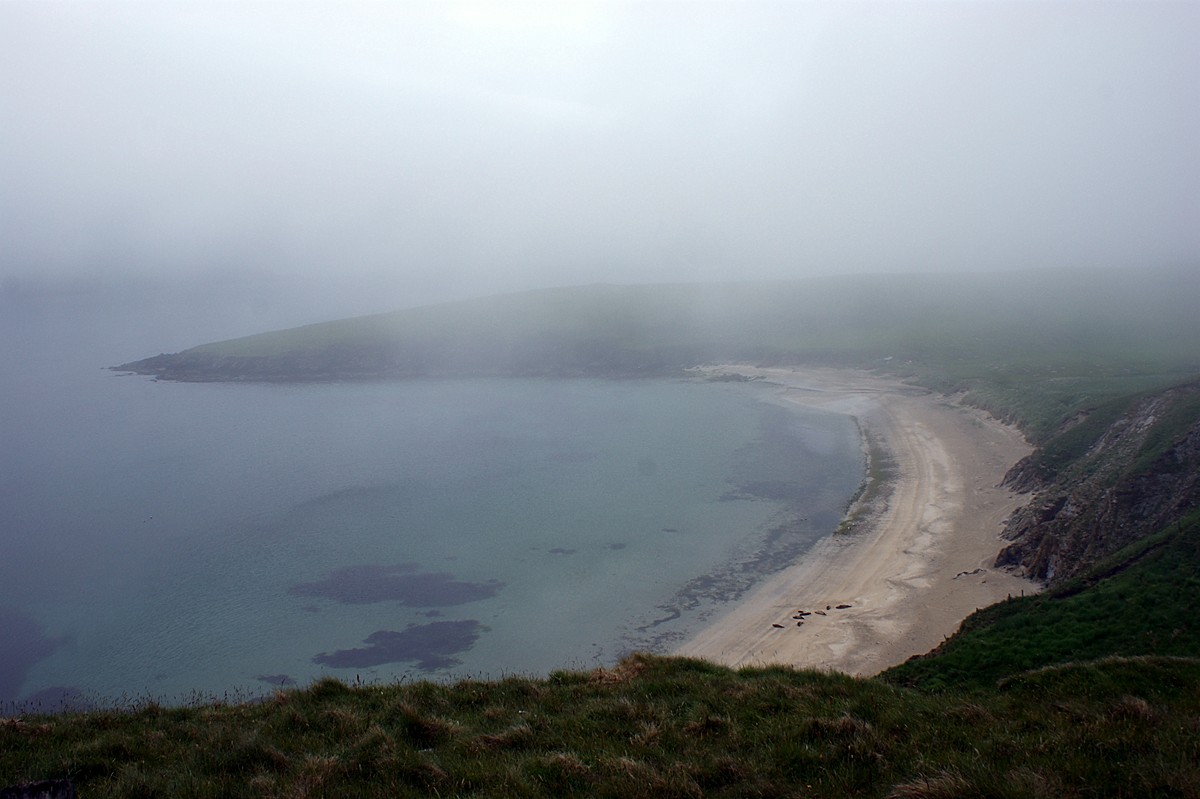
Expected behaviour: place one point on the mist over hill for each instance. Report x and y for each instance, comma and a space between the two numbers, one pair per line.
186, 188
1136, 320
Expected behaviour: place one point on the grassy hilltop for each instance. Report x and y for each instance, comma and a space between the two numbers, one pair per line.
1091, 688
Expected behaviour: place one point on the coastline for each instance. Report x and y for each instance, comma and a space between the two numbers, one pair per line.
915, 555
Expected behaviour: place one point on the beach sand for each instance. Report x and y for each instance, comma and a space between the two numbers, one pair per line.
918, 561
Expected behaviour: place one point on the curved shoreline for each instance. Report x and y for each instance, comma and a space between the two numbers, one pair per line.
919, 557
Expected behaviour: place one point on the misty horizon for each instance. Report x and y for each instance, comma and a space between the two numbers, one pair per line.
397, 156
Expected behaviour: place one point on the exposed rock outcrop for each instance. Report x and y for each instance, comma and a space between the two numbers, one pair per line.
1098, 493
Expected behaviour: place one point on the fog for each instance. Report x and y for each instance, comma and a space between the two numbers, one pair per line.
392, 154
175, 172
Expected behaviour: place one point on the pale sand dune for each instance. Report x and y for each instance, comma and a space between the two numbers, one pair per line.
909, 571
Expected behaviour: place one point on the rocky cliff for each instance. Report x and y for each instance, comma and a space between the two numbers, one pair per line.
1106, 479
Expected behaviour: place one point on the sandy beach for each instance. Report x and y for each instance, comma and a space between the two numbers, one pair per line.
918, 561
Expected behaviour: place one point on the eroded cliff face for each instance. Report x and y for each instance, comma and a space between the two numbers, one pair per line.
1140, 474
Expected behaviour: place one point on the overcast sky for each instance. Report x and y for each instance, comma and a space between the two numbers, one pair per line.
462, 148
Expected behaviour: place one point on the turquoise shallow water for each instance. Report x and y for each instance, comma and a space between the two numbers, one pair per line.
163, 539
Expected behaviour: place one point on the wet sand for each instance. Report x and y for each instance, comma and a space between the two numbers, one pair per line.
919, 559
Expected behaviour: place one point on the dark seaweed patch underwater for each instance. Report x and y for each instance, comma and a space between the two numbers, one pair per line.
401, 582
430, 646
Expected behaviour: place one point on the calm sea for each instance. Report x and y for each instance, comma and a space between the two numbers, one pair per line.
166, 540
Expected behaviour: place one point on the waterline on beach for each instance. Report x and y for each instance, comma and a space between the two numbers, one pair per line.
920, 558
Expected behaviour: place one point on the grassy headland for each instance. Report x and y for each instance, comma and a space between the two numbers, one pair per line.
1032, 347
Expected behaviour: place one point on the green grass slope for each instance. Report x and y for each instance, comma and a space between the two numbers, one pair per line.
651, 727
1140, 601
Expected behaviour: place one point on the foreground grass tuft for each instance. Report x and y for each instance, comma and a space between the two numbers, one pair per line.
651, 726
